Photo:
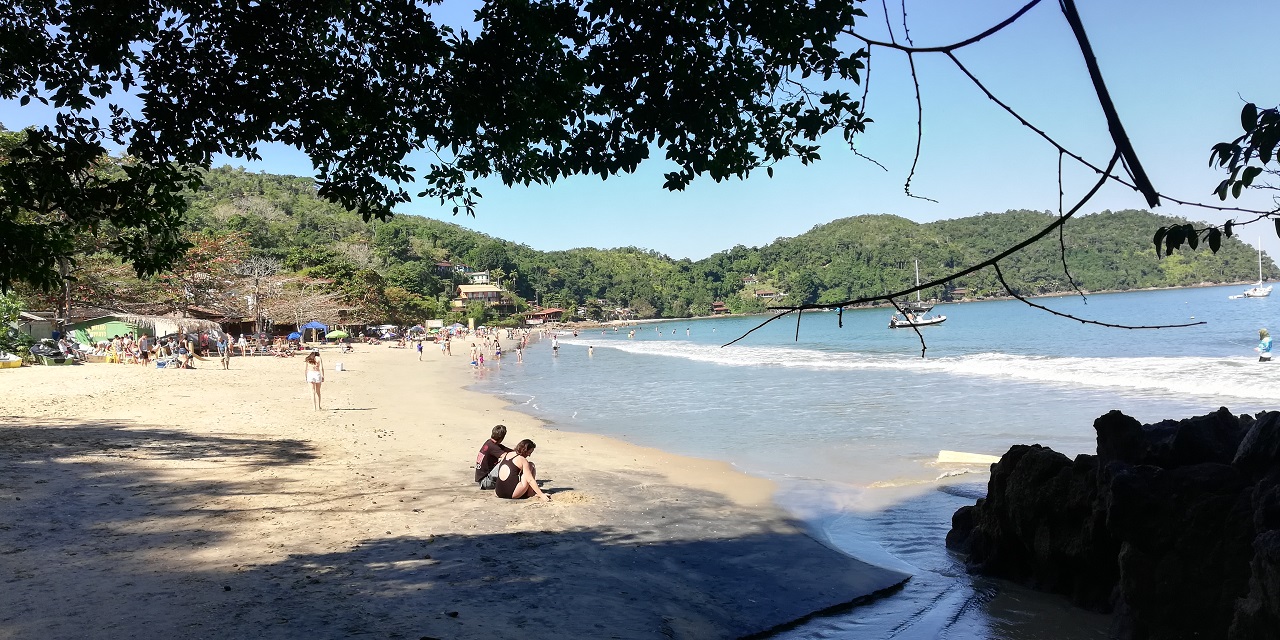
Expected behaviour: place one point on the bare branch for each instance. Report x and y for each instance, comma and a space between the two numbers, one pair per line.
1062, 240
905, 31
1075, 156
1007, 288
950, 47
915, 80
1118, 134
884, 6
923, 346
1106, 175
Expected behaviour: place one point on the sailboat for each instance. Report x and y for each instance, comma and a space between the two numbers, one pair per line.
1257, 290
917, 313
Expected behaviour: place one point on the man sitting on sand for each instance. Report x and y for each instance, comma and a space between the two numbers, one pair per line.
487, 459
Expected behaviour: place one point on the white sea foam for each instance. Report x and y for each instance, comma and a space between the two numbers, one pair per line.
1198, 376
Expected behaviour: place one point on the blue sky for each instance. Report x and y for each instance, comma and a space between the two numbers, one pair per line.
1179, 72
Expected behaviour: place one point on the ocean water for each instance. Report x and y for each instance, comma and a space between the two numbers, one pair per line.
849, 421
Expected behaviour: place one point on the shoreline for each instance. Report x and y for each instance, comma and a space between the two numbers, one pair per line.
885, 305
156, 503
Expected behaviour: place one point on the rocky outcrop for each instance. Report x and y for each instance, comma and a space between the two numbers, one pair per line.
1174, 526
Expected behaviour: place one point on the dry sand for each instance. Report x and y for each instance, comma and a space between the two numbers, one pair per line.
145, 503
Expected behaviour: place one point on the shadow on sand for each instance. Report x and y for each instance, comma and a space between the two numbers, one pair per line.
101, 537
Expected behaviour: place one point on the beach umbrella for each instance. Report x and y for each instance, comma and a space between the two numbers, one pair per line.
295, 335
314, 325
337, 335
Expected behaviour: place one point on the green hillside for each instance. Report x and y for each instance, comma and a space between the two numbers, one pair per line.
388, 269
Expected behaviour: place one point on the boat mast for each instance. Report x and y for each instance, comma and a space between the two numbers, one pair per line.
1259, 260
918, 273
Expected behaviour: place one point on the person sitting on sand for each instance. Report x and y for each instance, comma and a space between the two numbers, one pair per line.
517, 477
490, 452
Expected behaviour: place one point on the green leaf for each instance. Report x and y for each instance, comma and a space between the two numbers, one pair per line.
1193, 238
1249, 174
1172, 240
1159, 238
1226, 227
1277, 221
1249, 117
1215, 239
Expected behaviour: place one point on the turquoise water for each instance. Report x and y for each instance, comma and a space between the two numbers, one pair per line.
849, 421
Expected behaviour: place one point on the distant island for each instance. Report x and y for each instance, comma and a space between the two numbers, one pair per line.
411, 268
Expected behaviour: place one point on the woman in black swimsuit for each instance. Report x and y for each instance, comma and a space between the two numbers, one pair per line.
517, 477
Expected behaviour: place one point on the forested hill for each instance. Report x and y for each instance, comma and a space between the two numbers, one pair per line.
282, 218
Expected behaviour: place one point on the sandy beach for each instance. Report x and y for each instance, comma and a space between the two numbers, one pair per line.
145, 503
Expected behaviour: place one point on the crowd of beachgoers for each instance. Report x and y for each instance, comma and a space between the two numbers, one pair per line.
179, 350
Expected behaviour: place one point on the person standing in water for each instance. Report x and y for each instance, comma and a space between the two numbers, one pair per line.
314, 368
1264, 346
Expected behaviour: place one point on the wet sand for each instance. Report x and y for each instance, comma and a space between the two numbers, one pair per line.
158, 504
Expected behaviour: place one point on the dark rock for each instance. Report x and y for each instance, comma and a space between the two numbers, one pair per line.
1174, 526
1257, 615
963, 522
1184, 554
1172, 443
1040, 526
1259, 451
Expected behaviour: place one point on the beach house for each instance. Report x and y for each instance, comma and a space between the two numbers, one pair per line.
541, 316
490, 295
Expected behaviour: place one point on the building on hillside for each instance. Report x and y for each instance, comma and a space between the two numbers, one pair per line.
767, 294
491, 296
444, 268
748, 280
478, 277
718, 308
540, 316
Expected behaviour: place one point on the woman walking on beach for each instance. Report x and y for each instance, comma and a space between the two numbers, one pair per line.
517, 477
314, 368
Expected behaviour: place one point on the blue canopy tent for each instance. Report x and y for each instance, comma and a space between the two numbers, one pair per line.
295, 336
316, 326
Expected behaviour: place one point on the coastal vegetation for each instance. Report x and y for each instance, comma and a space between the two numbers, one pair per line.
312, 257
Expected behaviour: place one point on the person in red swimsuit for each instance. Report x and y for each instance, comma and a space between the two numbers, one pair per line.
517, 477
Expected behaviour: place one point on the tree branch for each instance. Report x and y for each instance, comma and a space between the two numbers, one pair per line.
1062, 240
950, 47
1000, 276
915, 80
1061, 149
1118, 135
1115, 157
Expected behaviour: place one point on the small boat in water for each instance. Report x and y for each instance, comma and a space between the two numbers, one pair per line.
915, 314
1257, 290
